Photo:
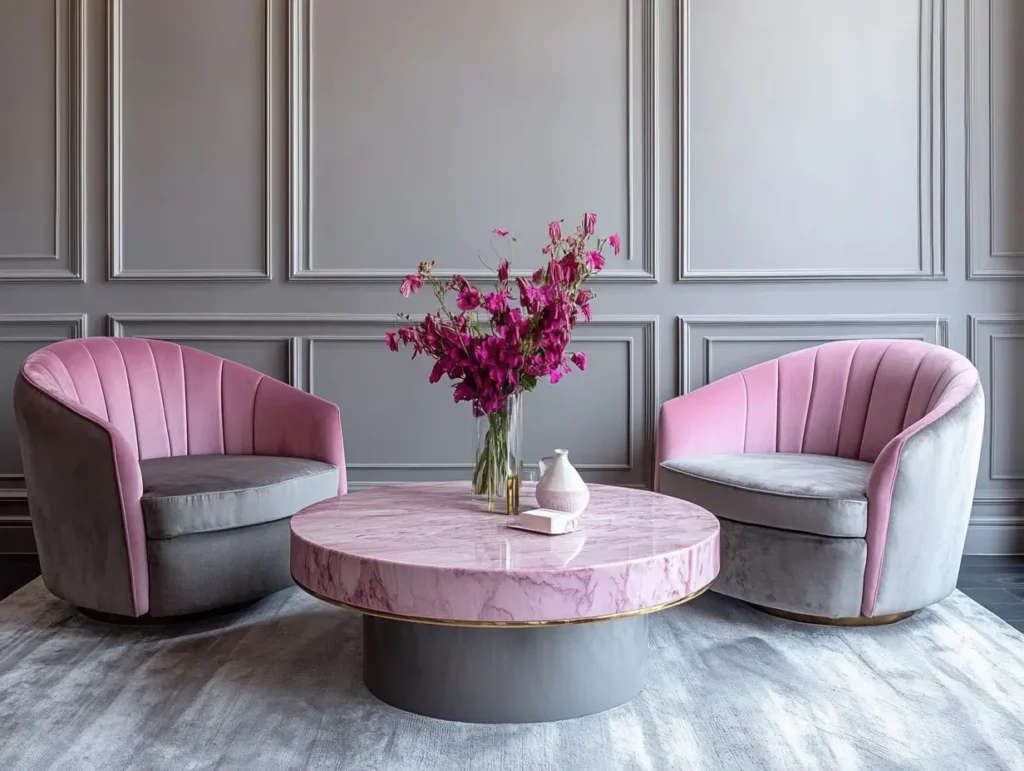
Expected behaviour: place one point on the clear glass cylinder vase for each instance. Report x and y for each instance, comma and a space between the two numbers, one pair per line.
498, 467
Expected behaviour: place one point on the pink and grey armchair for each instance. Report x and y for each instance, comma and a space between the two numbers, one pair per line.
161, 479
843, 476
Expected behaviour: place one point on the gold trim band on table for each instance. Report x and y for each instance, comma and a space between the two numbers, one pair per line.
889, 618
502, 624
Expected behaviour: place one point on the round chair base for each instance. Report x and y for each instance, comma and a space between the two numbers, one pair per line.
147, 620
803, 618
483, 674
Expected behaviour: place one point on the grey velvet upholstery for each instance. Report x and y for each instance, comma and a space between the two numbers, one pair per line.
191, 494
70, 458
931, 507
193, 573
805, 493
798, 572
166, 536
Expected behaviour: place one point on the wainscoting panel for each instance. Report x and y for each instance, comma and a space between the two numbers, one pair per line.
359, 107
21, 335
255, 177
191, 139
711, 347
791, 115
381, 393
996, 347
995, 155
41, 159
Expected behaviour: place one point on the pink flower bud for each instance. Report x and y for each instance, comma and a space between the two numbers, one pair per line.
589, 223
555, 230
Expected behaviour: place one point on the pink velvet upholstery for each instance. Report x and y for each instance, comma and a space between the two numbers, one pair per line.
852, 399
156, 399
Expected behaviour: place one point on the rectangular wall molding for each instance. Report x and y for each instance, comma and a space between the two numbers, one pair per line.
68, 262
984, 259
119, 267
988, 341
642, 194
791, 332
37, 330
931, 168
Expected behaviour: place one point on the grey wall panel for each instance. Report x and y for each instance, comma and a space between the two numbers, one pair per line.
379, 167
711, 347
997, 349
995, 154
40, 155
803, 121
20, 335
191, 139
399, 428
800, 164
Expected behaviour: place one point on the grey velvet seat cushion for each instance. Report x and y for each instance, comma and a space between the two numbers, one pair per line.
206, 493
813, 494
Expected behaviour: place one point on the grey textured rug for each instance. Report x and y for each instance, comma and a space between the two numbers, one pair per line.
279, 687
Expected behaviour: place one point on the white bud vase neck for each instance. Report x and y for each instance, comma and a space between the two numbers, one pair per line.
561, 488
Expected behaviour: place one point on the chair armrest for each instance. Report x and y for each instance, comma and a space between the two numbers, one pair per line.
710, 420
920, 495
292, 423
84, 495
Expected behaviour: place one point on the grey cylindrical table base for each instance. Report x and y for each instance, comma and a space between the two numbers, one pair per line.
505, 674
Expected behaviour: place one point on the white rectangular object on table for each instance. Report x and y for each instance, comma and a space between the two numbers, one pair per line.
546, 521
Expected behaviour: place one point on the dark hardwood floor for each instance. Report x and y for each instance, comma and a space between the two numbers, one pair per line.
995, 582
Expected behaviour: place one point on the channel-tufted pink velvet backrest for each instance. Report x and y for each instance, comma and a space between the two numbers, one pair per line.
168, 400
848, 399
857, 399
163, 398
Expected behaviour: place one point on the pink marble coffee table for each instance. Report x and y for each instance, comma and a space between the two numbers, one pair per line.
435, 577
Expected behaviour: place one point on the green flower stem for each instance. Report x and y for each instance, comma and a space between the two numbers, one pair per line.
491, 473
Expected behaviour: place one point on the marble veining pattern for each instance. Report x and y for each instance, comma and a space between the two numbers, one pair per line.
428, 551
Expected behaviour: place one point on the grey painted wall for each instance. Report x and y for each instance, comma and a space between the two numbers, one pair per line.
253, 176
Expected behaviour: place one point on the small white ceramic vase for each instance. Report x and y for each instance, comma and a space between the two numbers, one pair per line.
561, 488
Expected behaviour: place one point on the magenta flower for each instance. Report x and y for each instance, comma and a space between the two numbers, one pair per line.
527, 330
615, 241
411, 284
468, 299
496, 302
594, 260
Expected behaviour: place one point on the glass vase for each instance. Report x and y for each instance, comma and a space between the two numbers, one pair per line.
498, 470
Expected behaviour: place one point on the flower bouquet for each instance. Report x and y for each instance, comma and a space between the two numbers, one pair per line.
497, 345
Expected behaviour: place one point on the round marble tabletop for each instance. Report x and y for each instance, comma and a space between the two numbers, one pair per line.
427, 552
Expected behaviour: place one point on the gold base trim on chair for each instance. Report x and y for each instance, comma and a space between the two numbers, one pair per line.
803, 618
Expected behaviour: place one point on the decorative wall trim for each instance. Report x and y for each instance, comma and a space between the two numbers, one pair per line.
74, 326
301, 258
686, 324
931, 167
70, 75
649, 347
116, 269
975, 322
980, 128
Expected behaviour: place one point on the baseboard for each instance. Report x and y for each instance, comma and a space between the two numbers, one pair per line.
16, 536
